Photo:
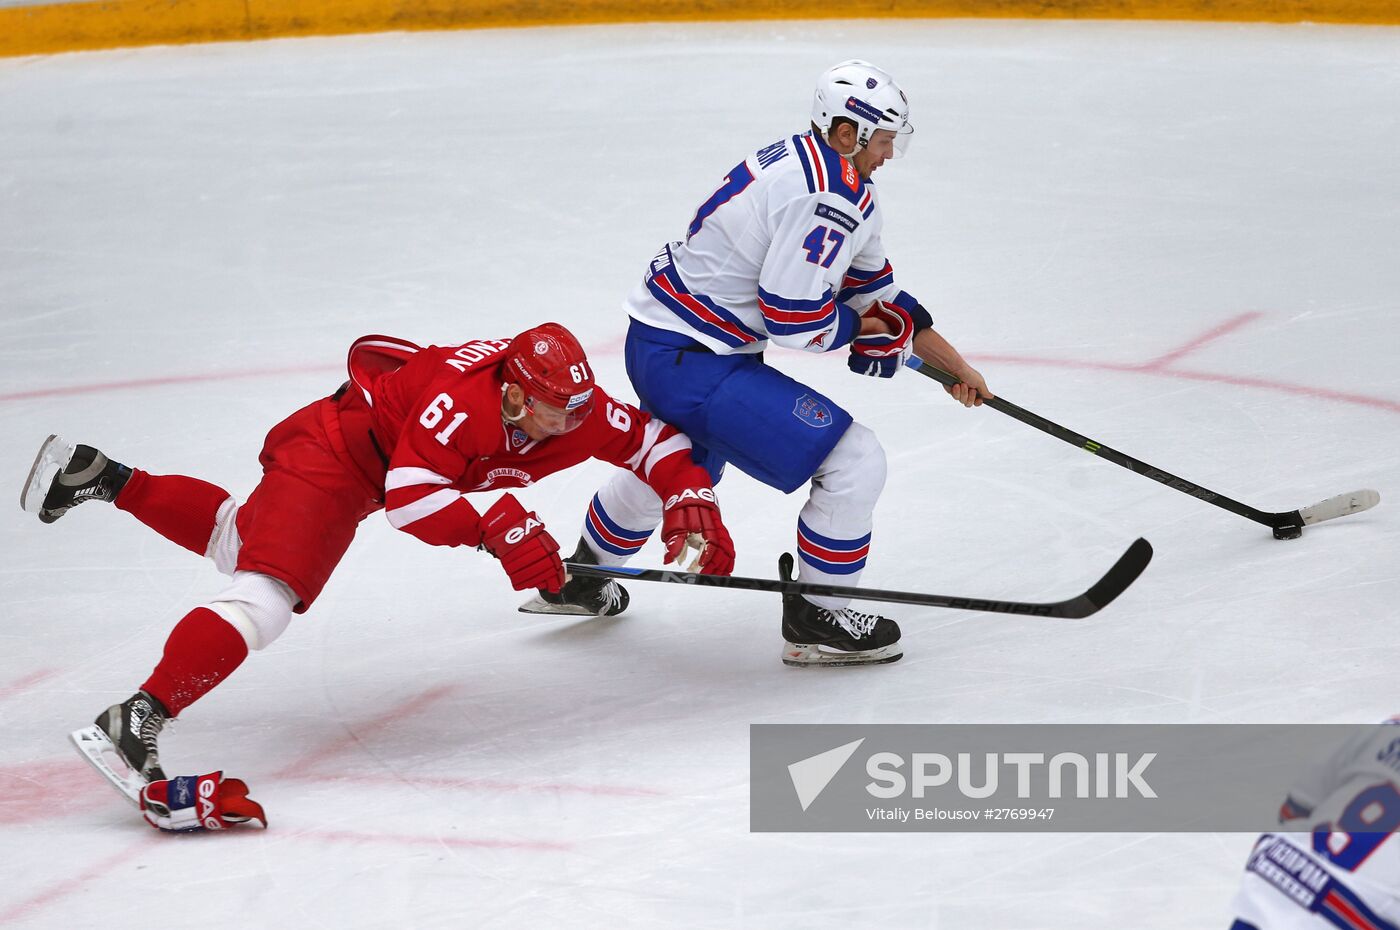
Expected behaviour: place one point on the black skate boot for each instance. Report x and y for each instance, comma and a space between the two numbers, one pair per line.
127, 731
817, 636
133, 727
64, 477
581, 597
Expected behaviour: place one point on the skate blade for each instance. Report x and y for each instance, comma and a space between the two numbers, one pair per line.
538, 605
813, 656
54, 455
97, 748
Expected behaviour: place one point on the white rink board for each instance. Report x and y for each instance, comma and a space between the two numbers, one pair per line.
1178, 239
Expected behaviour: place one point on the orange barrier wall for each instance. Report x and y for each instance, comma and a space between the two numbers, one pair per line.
63, 27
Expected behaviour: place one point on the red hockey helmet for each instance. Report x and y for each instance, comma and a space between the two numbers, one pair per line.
549, 365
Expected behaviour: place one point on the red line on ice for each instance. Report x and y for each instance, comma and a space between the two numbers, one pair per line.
50, 789
460, 842
1159, 366
71, 884
485, 784
167, 380
1162, 361
1304, 390
611, 347
352, 738
22, 685
309, 765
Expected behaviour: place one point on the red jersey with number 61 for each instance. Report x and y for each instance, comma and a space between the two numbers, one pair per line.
436, 415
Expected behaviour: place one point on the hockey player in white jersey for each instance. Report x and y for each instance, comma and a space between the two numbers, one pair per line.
1341, 868
787, 251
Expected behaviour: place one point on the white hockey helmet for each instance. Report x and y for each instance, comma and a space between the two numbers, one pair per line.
866, 95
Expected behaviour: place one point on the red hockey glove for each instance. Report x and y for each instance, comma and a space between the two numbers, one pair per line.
199, 802
527, 552
693, 512
882, 355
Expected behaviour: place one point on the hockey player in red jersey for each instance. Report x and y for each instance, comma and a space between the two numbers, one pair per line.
412, 432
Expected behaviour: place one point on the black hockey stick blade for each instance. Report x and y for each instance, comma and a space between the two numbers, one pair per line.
1124, 572
1285, 524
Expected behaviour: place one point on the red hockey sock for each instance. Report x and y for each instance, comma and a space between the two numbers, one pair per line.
202, 651
181, 509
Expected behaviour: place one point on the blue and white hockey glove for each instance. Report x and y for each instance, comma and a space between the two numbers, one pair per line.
882, 355
199, 802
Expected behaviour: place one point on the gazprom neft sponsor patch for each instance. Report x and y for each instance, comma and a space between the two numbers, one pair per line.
828, 212
1034, 778
1289, 869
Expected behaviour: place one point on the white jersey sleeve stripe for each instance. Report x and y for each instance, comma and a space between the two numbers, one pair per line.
650, 434
408, 477
400, 517
676, 443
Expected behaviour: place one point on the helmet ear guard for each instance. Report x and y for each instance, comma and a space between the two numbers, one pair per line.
867, 96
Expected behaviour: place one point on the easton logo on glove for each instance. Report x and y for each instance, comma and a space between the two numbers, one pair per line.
205, 809
691, 520
517, 537
199, 802
517, 533
690, 494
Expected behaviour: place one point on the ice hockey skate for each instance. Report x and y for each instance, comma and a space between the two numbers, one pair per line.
121, 744
581, 597
65, 476
817, 636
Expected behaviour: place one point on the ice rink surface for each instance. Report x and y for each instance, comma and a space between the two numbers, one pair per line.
1182, 240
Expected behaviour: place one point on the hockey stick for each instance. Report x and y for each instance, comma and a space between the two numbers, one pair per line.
1123, 573
1286, 525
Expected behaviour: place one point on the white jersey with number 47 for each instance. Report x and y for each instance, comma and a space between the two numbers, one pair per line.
1343, 868
788, 249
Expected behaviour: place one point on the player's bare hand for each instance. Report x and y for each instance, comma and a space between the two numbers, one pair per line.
971, 389
873, 325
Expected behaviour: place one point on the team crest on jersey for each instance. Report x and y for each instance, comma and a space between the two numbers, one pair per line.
518, 438
812, 411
